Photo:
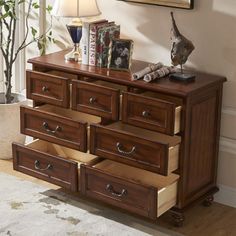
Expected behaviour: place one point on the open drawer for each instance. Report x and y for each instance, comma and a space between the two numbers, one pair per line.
50, 162
57, 125
97, 98
135, 146
148, 111
48, 88
133, 189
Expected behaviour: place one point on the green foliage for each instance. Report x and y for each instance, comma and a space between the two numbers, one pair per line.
8, 29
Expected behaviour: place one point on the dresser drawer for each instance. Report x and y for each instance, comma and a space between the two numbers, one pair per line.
57, 125
48, 88
98, 98
135, 146
150, 112
136, 190
50, 162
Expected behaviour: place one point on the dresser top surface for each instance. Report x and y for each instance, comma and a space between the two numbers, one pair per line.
56, 61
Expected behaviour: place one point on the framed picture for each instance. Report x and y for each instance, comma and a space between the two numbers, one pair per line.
186, 4
120, 54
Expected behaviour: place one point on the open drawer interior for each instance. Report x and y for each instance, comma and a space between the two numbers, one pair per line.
174, 100
58, 125
50, 162
131, 187
74, 115
110, 85
136, 146
152, 111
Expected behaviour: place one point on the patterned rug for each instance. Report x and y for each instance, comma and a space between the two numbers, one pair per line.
28, 209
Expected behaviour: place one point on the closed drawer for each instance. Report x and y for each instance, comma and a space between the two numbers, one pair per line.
98, 98
136, 190
150, 112
50, 162
57, 125
135, 146
48, 88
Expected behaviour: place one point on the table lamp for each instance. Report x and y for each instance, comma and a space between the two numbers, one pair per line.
75, 9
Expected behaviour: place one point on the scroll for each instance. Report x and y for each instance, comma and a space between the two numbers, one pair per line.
157, 74
146, 70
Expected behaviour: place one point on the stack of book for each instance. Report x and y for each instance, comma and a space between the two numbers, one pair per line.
96, 38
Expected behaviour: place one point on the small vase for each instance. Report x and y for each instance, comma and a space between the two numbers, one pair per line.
10, 124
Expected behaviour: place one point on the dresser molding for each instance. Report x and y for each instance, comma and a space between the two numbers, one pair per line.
157, 120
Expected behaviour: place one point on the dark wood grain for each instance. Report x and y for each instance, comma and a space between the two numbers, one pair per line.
56, 61
63, 173
160, 114
200, 145
150, 155
73, 134
200, 100
95, 99
139, 199
47, 88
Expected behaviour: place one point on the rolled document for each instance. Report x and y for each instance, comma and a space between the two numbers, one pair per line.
157, 74
165, 70
146, 70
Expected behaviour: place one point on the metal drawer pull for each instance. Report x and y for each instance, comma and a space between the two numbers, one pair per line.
92, 100
110, 189
37, 166
46, 128
119, 146
145, 113
45, 89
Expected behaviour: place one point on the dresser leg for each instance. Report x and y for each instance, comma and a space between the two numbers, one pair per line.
178, 218
208, 201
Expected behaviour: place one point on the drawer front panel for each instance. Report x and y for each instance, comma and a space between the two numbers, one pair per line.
54, 128
95, 99
48, 89
119, 192
46, 167
149, 113
129, 149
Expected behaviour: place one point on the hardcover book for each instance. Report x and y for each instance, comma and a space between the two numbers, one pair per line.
85, 39
105, 35
93, 31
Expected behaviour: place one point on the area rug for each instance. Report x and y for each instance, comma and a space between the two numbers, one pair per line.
29, 209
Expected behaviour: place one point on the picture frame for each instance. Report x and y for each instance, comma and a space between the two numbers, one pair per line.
185, 4
120, 54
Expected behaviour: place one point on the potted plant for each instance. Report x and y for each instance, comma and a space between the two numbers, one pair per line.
9, 101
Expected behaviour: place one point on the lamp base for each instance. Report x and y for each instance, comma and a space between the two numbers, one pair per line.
74, 55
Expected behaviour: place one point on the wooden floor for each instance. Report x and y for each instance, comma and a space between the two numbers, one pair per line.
217, 220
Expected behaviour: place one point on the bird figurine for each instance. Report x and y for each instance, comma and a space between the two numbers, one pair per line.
180, 51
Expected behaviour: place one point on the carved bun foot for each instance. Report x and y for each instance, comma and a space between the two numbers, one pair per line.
208, 201
178, 219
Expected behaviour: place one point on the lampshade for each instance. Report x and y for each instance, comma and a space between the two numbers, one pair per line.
75, 8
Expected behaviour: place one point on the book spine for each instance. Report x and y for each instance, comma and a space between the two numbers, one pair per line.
99, 48
85, 43
92, 45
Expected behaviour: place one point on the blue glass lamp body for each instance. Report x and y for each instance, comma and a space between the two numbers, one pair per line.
75, 33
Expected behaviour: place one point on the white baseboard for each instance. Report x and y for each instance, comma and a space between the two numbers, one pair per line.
226, 196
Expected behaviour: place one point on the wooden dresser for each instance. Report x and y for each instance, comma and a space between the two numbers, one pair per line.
143, 147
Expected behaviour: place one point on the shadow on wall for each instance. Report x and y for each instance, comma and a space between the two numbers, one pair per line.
212, 32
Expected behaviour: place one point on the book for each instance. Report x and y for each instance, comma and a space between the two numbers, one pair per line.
85, 39
105, 35
93, 30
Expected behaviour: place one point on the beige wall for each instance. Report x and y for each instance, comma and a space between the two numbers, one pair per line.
212, 28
